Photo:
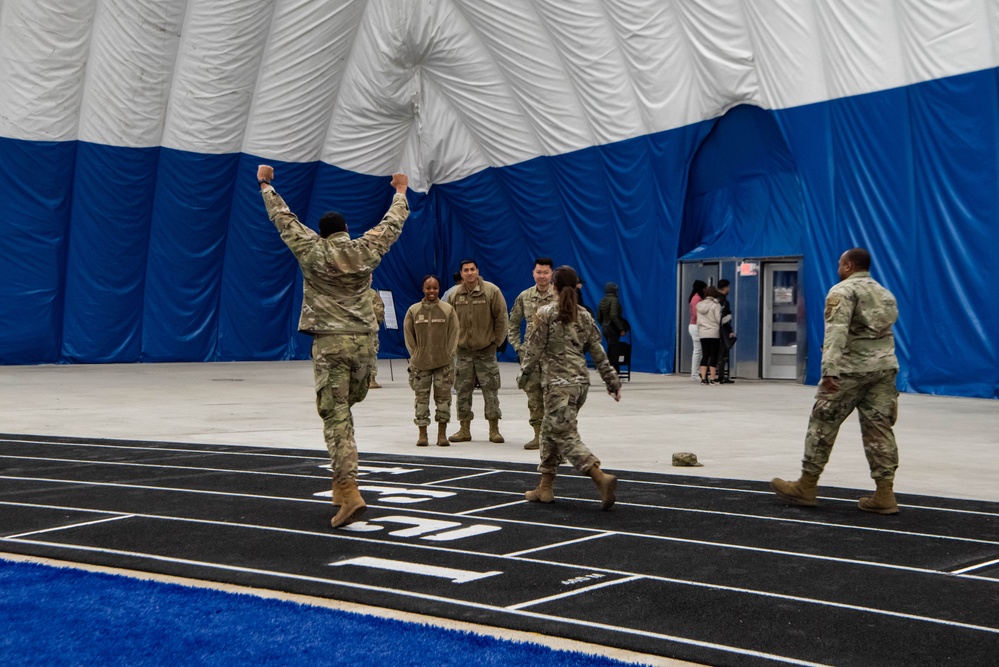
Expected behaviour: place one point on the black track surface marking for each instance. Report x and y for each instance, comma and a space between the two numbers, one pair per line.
708, 570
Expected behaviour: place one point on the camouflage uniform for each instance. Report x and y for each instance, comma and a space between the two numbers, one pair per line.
338, 313
483, 324
859, 349
560, 350
379, 307
525, 306
431, 334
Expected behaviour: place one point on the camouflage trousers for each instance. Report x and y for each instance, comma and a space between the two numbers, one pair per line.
875, 398
559, 435
480, 364
440, 380
374, 365
342, 365
535, 398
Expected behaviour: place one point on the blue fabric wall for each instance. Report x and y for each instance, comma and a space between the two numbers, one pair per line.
122, 255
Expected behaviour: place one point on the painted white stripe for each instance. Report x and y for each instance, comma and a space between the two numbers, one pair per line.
70, 526
556, 545
456, 479
623, 573
163, 466
569, 594
721, 545
493, 507
437, 598
456, 576
519, 472
972, 568
548, 616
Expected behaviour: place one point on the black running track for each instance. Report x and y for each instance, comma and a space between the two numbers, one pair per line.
707, 570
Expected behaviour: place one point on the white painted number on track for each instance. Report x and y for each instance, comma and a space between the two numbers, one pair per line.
456, 576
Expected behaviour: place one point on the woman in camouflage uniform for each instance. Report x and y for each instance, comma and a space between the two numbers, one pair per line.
562, 334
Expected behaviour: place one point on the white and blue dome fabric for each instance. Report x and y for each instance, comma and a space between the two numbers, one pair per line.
130, 131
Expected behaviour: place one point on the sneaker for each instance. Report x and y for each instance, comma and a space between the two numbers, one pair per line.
704, 381
712, 382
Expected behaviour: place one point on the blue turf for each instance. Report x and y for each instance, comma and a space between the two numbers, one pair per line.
63, 616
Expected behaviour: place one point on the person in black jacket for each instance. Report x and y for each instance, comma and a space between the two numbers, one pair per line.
612, 324
727, 334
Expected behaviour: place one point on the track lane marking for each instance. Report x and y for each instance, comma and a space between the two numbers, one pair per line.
681, 540
463, 603
636, 576
493, 470
556, 545
979, 566
568, 594
21, 536
456, 479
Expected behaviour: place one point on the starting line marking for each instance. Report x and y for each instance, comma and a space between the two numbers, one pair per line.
456, 576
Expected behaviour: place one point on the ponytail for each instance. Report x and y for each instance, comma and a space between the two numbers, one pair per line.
565, 281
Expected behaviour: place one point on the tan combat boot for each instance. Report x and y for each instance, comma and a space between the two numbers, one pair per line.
352, 505
442, 435
803, 492
494, 434
607, 485
422, 440
544, 493
373, 383
536, 443
337, 497
883, 500
463, 434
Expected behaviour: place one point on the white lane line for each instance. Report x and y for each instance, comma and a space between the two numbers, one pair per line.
436, 598
518, 559
70, 526
164, 467
456, 479
667, 538
492, 507
455, 467
972, 568
569, 594
556, 545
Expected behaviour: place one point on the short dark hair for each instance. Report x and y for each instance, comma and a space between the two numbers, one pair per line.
456, 276
465, 261
860, 258
428, 277
545, 261
723, 283
331, 223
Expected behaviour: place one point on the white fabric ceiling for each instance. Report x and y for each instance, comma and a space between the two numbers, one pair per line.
445, 88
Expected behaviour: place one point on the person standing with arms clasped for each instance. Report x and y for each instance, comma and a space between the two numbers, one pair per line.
858, 372
709, 330
337, 312
481, 311
431, 332
612, 324
525, 306
562, 334
379, 307
696, 294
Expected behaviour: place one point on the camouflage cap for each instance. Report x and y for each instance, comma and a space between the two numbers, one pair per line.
686, 459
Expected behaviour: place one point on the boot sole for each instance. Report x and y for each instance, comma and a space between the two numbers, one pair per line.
351, 518
877, 510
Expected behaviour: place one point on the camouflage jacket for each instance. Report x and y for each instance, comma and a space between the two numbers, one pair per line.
858, 337
560, 349
378, 305
335, 269
525, 306
481, 315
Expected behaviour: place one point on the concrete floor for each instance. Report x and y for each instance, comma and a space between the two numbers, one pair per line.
747, 430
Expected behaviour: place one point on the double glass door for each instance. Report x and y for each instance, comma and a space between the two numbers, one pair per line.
780, 321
